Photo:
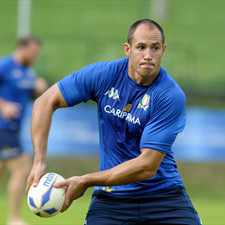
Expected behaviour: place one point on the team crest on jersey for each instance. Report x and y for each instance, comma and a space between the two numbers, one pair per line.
144, 103
113, 93
127, 108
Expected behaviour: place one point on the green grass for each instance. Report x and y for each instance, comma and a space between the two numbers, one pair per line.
210, 210
204, 181
76, 33
75, 215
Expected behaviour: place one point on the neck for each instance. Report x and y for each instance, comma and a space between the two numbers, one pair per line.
140, 79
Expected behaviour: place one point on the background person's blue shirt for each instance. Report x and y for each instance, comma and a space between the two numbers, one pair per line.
17, 83
131, 117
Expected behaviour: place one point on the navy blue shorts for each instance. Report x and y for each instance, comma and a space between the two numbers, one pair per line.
171, 208
9, 144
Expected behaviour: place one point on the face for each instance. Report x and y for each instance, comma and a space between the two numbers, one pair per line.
30, 53
145, 51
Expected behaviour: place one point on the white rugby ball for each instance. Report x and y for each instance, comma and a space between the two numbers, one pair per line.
44, 200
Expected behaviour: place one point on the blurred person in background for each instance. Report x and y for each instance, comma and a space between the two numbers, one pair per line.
18, 84
141, 110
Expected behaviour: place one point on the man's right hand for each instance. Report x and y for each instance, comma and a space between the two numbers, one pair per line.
9, 110
37, 171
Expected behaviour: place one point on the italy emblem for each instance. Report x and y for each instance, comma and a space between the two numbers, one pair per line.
144, 103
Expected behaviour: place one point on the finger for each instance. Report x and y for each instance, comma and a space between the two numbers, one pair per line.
35, 182
29, 181
66, 205
61, 184
36, 179
68, 199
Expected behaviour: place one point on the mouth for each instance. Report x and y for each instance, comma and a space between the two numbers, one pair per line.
147, 65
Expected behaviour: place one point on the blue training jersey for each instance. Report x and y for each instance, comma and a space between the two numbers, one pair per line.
17, 83
131, 117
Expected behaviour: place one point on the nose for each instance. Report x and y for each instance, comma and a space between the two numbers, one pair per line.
148, 55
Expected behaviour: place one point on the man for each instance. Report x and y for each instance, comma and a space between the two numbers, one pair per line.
141, 109
18, 83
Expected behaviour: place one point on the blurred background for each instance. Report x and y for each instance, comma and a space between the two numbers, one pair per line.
76, 33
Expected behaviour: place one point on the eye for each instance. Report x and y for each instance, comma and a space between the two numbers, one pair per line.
141, 47
155, 48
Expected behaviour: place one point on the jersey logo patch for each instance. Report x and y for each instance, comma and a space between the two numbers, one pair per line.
113, 93
144, 103
122, 115
127, 108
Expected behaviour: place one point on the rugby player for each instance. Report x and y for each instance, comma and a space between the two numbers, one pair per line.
18, 84
141, 109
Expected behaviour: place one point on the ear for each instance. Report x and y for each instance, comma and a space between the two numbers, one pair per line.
126, 48
164, 48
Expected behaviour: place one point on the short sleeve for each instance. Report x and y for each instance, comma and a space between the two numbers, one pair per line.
167, 120
2, 70
87, 83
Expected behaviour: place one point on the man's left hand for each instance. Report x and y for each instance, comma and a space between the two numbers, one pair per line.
74, 188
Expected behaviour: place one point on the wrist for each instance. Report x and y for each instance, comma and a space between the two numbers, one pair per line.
86, 181
40, 160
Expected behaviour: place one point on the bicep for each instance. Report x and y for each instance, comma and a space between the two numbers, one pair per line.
59, 97
53, 97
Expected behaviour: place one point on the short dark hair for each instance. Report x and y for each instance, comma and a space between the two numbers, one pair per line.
25, 41
150, 22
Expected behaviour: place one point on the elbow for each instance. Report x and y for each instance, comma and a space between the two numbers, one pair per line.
45, 102
37, 103
148, 172
40, 102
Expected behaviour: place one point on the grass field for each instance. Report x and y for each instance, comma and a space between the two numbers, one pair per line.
205, 183
210, 210
74, 216
76, 33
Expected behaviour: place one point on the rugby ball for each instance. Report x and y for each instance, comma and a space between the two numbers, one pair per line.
44, 200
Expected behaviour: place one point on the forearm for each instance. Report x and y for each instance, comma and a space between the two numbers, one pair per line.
40, 128
130, 171
41, 122
43, 109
